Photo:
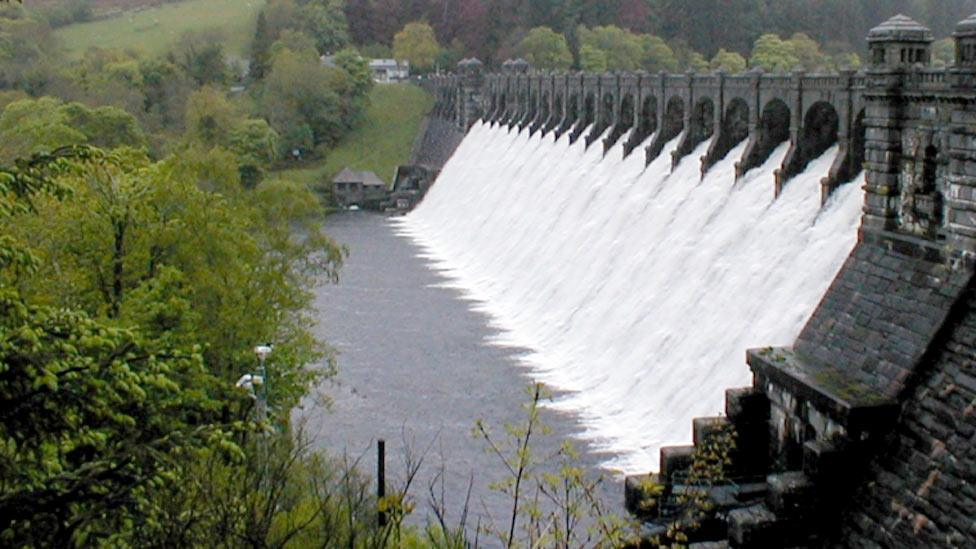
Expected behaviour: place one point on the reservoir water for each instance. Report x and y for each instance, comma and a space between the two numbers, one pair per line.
417, 368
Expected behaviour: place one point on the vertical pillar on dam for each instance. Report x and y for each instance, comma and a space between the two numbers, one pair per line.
471, 104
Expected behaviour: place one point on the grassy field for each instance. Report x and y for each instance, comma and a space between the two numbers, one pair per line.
384, 140
157, 29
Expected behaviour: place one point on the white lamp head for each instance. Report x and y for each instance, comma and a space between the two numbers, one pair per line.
263, 350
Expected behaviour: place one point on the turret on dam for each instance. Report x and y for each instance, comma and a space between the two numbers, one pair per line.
860, 432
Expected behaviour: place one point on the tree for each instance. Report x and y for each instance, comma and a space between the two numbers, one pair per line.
325, 20
298, 43
772, 53
357, 69
592, 59
255, 143
201, 56
545, 49
92, 415
302, 101
209, 116
41, 125
622, 49
807, 51
417, 44
728, 61
658, 56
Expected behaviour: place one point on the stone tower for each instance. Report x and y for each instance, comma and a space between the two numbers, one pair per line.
470, 103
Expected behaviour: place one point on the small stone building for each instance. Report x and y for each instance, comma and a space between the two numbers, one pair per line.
389, 70
360, 189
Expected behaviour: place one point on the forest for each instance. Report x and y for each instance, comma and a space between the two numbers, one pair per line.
493, 29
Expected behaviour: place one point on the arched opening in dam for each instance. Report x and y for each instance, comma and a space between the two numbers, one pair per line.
625, 122
703, 120
604, 118
558, 112
820, 127
734, 129
532, 111
646, 125
583, 123
572, 115
543, 117
671, 127
735, 123
772, 130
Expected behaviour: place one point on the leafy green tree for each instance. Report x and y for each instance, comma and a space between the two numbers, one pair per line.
326, 21
622, 49
209, 116
165, 89
357, 69
728, 61
41, 125
256, 145
807, 51
847, 61
417, 44
254, 139
201, 56
297, 93
105, 127
592, 59
92, 415
772, 53
696, 62
296, 42
544, 48
658, 56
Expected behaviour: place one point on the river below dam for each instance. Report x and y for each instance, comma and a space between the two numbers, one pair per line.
418, 367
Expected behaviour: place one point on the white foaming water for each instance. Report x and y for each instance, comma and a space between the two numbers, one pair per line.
637, 290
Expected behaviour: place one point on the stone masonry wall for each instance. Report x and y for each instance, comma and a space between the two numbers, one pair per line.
881, 312
436, 143
921, 491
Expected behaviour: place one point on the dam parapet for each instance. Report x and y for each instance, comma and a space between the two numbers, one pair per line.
860, 433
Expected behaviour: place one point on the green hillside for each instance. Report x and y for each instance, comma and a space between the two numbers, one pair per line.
384, 139
157, 29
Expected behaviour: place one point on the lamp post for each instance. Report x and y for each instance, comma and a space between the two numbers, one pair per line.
262, 352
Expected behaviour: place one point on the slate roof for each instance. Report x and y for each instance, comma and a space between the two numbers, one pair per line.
368, 179
967, 27
900, 28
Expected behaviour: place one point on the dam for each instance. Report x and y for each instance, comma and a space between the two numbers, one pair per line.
786, 258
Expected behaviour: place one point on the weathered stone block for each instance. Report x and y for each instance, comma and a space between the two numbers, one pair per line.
675, 459
754, 527
790, 494
746, 405
703, 428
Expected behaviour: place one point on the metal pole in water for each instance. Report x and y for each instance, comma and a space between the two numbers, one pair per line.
381, 478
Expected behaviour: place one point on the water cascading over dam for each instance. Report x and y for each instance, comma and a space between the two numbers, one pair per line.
637, 289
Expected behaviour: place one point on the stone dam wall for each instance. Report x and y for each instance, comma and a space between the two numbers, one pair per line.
436, 142
860, 434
